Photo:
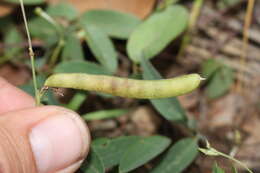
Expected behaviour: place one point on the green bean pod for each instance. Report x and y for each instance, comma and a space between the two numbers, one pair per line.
124, 87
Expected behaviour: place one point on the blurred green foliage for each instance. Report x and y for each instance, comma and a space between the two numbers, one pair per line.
219, 78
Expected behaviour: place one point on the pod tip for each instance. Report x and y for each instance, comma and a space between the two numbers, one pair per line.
202, 78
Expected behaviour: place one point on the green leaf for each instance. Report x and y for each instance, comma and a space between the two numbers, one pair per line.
6, 21
80, 67
102, 47
104, 114
169, 108
42, 29
72, 49
220, 82
27, 2
99, 142
220, 78
13, 42
77, 100
179, 156
114, 23
63, 10
142, 151
46, 30
217, 169
93, 164
209, 67
154, 34
111, 151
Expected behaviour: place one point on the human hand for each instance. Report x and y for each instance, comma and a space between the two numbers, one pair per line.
45, 139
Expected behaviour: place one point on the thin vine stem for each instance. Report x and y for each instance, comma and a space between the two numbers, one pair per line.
59, 30
56, 52
210, 151
247, 24
235, 160
31, 54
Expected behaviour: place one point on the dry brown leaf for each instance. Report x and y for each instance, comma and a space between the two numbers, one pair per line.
189, 100
5, 9
222, 112
145, 121
140, 8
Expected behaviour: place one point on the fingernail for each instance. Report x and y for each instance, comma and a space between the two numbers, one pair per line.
71, 168
58, 142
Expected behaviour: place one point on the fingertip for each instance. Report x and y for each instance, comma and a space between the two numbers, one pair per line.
43, 139
60, 141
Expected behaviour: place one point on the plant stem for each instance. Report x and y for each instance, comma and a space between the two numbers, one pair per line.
247, 24
31, 54
194, 15
210, 151
235, 160
56, 52
59, 30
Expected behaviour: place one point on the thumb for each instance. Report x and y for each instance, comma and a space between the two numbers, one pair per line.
44, 139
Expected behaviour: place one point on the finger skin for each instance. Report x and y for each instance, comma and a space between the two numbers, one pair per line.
16, 155
12, 98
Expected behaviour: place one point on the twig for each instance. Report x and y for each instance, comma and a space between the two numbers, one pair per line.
210, 151
31, 54
195, 12
248, 19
